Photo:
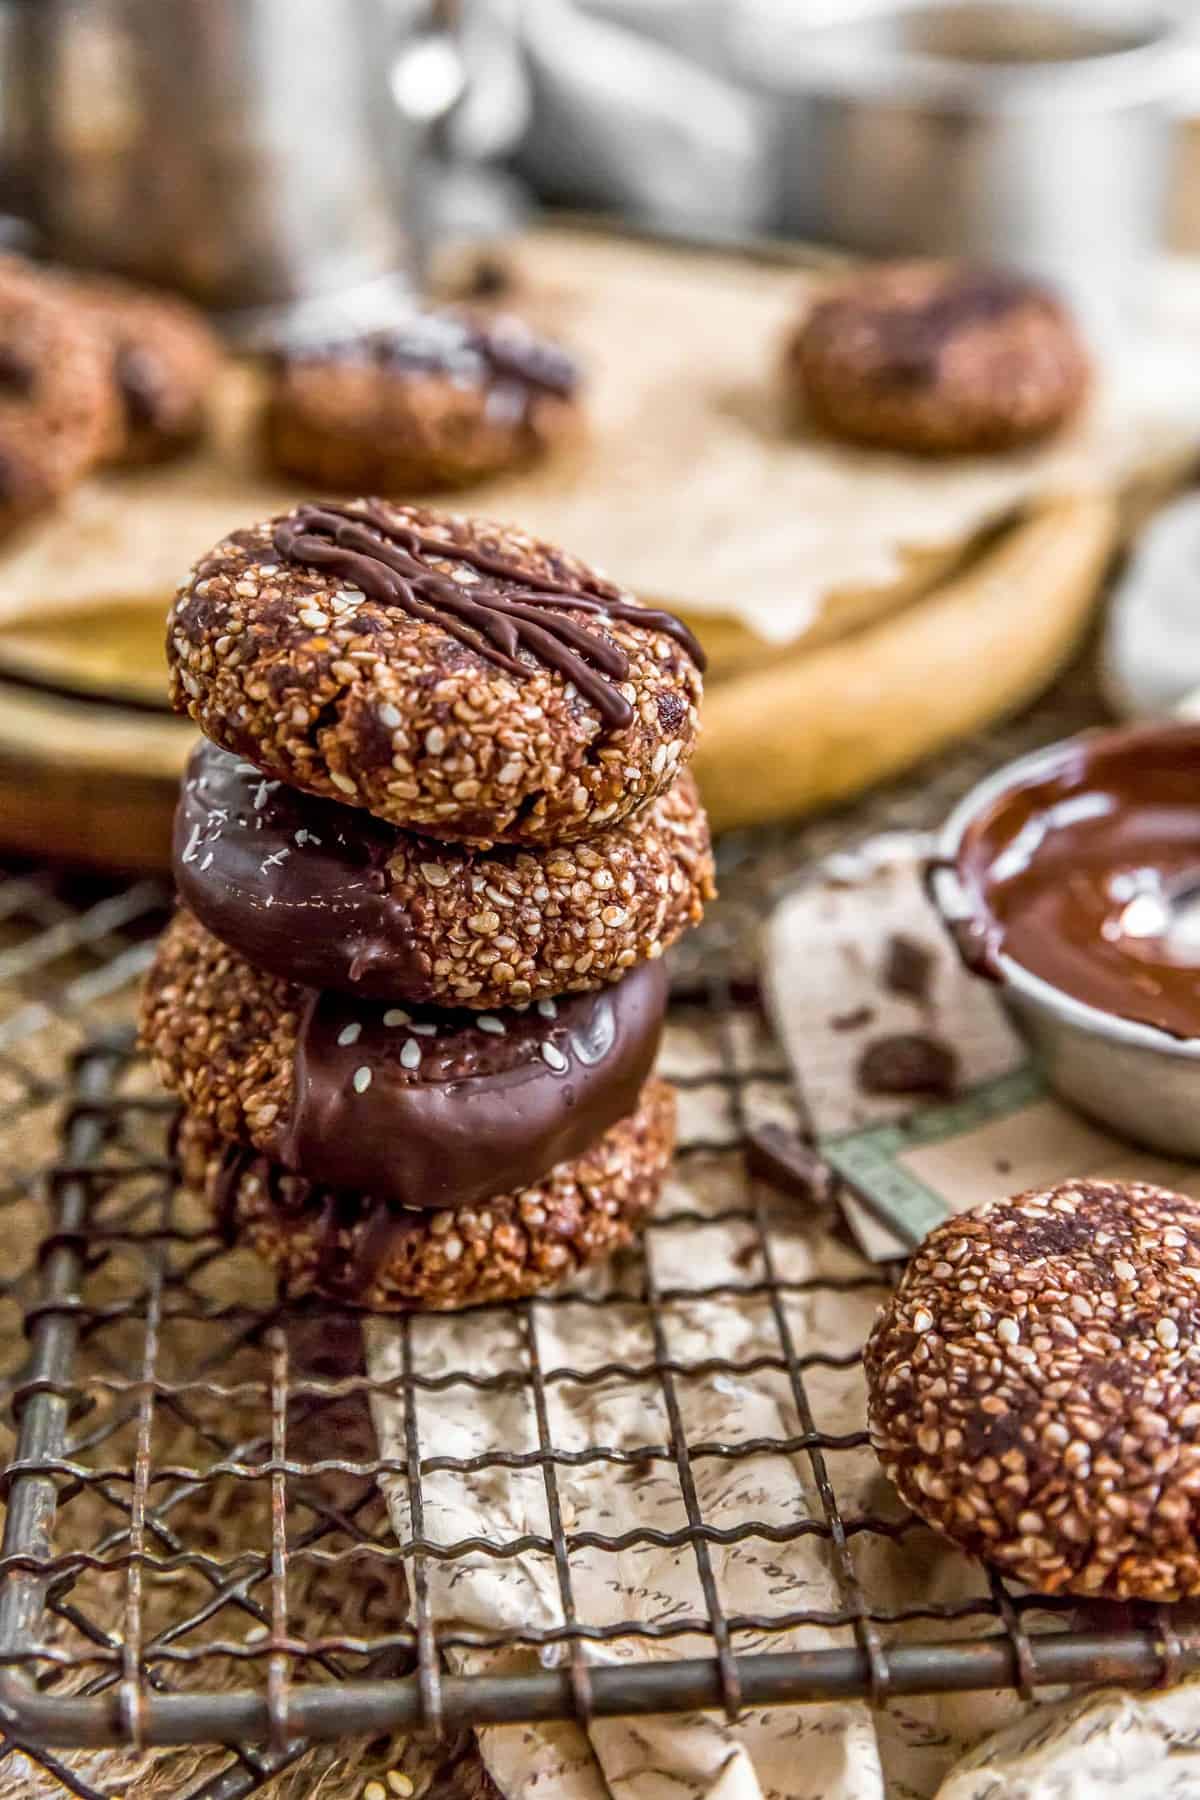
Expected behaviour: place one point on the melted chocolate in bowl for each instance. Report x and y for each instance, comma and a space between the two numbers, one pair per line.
1087, 874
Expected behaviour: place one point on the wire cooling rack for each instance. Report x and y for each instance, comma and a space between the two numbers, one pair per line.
189, 1458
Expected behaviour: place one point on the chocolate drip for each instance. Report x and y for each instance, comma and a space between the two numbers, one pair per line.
353, 1238
507, 615
298, 885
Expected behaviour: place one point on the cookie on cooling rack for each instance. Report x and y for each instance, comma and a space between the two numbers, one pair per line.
1034, 1388
457, 678
330, 897
57, 409
938, 359
417, 1106
436, 401
164, 359
363, 1251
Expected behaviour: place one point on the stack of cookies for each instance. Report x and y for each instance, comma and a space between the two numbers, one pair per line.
429, 857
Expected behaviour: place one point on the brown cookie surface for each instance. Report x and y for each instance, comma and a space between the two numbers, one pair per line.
458, 678
438, 401
1034, 1388
418, 1106
360, 1251
164, 360
329, 896
938, 359
57, 408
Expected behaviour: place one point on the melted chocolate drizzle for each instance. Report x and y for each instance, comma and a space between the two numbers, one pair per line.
507, 615
913, 337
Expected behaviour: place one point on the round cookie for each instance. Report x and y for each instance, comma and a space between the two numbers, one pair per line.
332, 897
164, 359
418, 1107
1034, 1388
438, 401
56, 402
939, 359
457, 678
355, 1250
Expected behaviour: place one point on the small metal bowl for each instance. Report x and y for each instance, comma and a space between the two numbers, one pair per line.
1027, 132
1133, 1079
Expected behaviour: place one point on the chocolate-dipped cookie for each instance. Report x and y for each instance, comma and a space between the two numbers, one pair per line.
415, 1106
163, 360
938, 359
57, 408
436, 401
457, 678
331, 897
358, 1250
1034, 1388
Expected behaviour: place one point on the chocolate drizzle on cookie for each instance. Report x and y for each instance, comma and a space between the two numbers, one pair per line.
512, 617
469, 350
912, 337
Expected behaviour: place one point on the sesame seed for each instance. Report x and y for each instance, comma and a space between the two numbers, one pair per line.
553, 1057
489, 1022
1008, 1331
192, 846
410, 1056
547, 1009
400, 1784
435, 874
921, 1320
350, 1034
362, 1079
389, 716
1167, 1333
424, 1029
395, 1015
435, 740
343, 782
207, 862
309, 615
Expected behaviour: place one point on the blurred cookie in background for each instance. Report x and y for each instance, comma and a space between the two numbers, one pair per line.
57, 408
938, 359
164, 358
442, 400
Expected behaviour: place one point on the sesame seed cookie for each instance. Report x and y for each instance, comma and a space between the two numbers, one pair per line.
331, 897
1034, 1388
164, 359
359, 1251
438, 401
57, 408
460, 679
417, 1106
938, 359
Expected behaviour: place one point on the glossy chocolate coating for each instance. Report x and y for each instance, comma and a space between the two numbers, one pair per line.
1070, 871
423, 1107
297, 884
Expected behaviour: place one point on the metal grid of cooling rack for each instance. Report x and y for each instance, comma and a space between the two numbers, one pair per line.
135, 1610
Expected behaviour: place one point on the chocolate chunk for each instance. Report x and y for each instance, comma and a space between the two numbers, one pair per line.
907, 967
908, 1062
17, 373
853, 1020
782, 1158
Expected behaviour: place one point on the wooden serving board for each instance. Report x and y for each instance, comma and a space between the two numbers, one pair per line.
692, 485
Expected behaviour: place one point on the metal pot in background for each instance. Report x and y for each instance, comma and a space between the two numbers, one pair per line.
1032, 134
257, 154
